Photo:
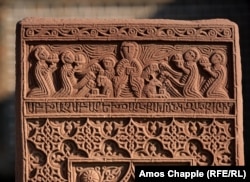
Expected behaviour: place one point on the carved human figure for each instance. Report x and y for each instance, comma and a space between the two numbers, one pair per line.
88, 79
189, 82
80, 62
168, 76
67, 71
150, 89
191, 75
45, 66
150, 70
106, 85
109, 63
215, 86
128, 82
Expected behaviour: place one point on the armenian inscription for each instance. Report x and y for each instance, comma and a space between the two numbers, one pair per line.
97, 97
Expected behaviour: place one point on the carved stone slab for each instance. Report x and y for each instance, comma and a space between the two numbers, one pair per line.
97, 97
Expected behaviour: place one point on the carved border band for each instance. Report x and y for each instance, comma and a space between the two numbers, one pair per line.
126, 30
123, 32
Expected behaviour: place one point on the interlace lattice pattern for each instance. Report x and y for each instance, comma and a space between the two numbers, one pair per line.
54, 142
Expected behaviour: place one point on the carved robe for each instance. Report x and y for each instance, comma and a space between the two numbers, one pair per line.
44, 80
217, 87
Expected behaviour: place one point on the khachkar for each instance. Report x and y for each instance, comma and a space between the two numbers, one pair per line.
98, 97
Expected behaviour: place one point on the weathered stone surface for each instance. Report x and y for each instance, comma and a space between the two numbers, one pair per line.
97, 97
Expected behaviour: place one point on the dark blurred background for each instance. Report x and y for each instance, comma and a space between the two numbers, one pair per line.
12, 11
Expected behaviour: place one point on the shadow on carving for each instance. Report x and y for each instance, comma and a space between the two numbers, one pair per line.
195, 149
154, 148
111, 148
33, 125
226, 157
37, 159
69, 149
108, 127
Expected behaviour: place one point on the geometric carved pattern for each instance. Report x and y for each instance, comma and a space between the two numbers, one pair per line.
98, 97
52, 141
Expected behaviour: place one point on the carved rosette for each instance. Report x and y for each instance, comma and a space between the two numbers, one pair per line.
53, 141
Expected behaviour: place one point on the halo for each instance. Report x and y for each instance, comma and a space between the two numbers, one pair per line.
223, 54
82, 58
63, 54
197, 52
110, 57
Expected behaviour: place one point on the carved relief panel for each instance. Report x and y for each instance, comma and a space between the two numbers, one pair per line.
98, 97
129, 70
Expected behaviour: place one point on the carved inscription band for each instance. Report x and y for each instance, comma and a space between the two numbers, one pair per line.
133, 107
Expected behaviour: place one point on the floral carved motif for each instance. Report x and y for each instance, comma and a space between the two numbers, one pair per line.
123, 32
99, 173
53, 141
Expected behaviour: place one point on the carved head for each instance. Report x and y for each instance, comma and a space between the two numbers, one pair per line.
129, 50
218, 57
91, 84
81, 59
154, 67
204, 62
80, 62
68, 57
109, 62
41, 53
53, 58
192, 55
154, 81
177, 57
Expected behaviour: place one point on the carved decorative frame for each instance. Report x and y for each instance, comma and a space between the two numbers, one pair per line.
101, 131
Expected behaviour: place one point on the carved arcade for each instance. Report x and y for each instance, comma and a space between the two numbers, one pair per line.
98, 98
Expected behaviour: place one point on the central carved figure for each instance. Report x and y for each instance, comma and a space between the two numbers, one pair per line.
129, 83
